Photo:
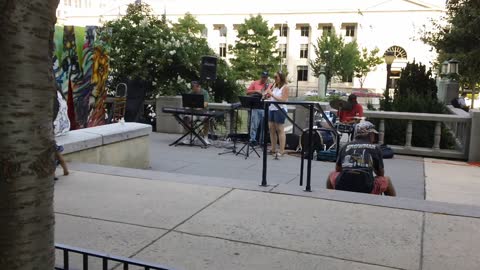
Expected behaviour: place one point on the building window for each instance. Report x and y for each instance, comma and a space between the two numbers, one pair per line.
222, 50
223, 31
347, 78
304, 31
327, 29
205, 32
283, 31
304, 51
302, 73
350, 31
282, 50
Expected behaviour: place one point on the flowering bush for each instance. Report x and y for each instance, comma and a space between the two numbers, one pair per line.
156, 51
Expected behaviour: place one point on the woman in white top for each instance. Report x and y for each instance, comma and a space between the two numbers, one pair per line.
277, 92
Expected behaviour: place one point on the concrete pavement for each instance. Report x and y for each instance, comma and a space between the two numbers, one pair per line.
406, 172
192, 226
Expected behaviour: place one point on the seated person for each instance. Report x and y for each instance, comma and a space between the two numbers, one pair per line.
358, 161
347, 115
460, 102
197, 89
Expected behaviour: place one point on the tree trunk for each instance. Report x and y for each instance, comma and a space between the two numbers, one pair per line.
26, 138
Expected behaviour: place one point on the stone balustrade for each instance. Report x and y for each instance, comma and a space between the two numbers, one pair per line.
458, 125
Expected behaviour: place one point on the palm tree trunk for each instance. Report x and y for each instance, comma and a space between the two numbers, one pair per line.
26, 138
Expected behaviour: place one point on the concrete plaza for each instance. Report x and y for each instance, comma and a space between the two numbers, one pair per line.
197, 210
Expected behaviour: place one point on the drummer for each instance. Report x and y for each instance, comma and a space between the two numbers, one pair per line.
351, 116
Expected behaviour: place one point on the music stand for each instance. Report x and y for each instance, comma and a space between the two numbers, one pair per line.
249, 103
193, 101
234, 135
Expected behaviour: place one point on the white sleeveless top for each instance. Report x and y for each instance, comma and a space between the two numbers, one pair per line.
277, 92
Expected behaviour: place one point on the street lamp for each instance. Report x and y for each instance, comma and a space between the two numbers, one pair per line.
444, 70
298, 72
389, 58
453, 67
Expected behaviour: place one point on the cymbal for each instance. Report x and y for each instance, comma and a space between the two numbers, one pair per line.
338, 104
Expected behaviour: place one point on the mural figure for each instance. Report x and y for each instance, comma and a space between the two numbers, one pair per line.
82, 74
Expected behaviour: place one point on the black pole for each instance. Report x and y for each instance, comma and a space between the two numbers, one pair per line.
265, 129
296, 91
302, 162
387, 87
310, 149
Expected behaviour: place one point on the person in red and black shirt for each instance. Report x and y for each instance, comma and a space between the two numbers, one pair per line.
347, 115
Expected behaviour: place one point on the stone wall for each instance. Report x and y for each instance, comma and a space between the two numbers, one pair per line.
122, 145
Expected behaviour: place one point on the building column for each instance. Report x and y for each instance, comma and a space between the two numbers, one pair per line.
314, 35
293, 51
211, 38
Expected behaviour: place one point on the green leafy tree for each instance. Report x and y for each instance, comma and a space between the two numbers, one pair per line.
367, 61
349, 59
416, 91
416, 80
166, 57
189, 25
459, 38
337, 57
255, 50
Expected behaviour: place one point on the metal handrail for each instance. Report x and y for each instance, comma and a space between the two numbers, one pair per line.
86, 254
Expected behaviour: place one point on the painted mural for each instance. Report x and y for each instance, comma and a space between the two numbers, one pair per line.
81, 71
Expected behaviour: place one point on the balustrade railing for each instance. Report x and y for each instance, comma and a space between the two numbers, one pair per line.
457, 126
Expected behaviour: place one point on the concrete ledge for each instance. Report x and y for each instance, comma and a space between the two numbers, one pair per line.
116, 144
82, 139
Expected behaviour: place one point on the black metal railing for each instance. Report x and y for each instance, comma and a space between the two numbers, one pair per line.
108, 261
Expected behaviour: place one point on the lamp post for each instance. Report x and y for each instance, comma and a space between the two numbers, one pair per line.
444, 70
389, 58
453, 67
298, 71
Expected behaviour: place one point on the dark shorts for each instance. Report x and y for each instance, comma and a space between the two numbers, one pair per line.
277, 117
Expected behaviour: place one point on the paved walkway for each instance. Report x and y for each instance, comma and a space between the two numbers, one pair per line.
153, 217
406, 172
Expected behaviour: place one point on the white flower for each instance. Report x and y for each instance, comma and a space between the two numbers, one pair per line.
172, 52
154, 83
250, 32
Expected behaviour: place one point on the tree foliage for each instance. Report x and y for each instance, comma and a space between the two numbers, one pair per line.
416, 80
367, 61
255, 50
188, 25
166, 57
416, 92
337, 57
459, 38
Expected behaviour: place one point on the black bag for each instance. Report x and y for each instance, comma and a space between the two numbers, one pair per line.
328, 155
291, 141
387, 152
355, 178
355, 181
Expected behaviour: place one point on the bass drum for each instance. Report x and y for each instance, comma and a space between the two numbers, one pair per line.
323, 139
